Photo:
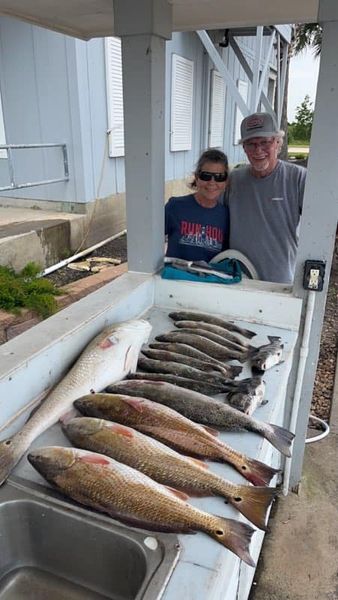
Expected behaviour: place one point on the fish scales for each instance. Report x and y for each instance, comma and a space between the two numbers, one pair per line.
175, 368
214, 337
202, 409
214, 329
187, 350
215, 334
110, 355
181, 382
196, 316
165, 355
201, 343
163, 464
170, 427
111, 487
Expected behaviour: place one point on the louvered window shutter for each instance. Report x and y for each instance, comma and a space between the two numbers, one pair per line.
217, 110
181, 103
243, 90
114, 96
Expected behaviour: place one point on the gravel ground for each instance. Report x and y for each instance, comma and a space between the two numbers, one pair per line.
324, 382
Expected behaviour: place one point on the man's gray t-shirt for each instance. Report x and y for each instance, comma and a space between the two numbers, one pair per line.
264, 218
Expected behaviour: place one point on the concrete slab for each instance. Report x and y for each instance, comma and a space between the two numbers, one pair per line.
299, 560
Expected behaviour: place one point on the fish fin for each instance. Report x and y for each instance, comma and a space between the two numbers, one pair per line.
199, 463
234, 536
94, 459
136, 403
129, 361
273, 338
210, 430
178, 493
264, 402
120, 429
253, 503
279, 437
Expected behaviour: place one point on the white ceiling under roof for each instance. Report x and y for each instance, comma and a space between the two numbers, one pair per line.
94, 18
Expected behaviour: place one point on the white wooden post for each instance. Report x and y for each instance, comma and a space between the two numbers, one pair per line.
144, 26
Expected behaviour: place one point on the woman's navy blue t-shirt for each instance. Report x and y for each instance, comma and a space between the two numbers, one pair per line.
195, 232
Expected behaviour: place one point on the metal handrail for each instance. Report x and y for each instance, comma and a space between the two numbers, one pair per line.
15, 186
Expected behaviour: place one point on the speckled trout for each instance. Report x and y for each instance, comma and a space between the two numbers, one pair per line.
224, 333
124, 493
186, 350
170, 427
112, 354
202, 409
166, 466
197, 316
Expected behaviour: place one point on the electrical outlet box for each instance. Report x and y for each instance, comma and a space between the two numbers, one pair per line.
314, 271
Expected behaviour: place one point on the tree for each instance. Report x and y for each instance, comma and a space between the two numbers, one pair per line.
300, 129
308, 35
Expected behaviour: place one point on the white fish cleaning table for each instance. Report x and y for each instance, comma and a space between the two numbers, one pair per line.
37, 359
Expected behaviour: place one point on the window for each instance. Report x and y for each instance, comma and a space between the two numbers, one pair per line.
243, 90
181, 103
114, 96
217, 110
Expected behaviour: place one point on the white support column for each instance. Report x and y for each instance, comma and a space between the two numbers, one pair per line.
279, 97
256, 69
319, 218
144, 27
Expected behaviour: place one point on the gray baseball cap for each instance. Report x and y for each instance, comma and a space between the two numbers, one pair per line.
258, 125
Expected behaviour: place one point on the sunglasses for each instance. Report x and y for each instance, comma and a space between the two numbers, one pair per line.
217, 177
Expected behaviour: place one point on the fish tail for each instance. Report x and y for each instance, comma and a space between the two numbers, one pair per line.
253, 503
233, 535
255, 471
10, 454
279, 437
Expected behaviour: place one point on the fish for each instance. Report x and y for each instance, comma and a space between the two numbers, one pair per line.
186, 350
214, 337
184, 382
175, 368
167, 466
172, 428
226, 335
201, 365
201, 343
268, 355
109, 356
124, 493
197, 316
202, 409
248, 396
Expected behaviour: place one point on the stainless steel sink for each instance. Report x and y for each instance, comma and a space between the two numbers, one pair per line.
51, 549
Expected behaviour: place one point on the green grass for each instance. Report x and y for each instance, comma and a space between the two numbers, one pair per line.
26, 290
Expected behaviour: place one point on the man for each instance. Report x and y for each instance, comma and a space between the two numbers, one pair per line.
265, 201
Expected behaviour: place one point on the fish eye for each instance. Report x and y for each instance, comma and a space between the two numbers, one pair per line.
219, 532
8, 442
238, 499
243, 467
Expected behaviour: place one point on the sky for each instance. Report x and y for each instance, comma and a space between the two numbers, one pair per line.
302, 80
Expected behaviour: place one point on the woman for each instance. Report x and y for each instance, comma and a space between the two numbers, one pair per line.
197, 225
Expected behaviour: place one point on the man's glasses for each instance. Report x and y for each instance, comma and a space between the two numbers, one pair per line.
208, 176
264, 145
